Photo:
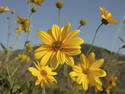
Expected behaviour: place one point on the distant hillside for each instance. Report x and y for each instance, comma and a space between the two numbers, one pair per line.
113, 64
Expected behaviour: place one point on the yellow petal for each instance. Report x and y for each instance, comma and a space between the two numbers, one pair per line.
77, 69
61, 57
45, 37
69, 60
72, 52
71, 35
34, 71
54, 63
97, 64
46, 57
111, 21
80, 79
37, 82
74, 41
85, 83
56, 31
91, 57
99, 73
73, 74
65, 30
84, 61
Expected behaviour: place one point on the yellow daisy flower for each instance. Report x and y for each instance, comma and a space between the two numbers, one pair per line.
60, 45
111, 81
44, 74
88, 72
19, 30
29, 48
36, 2
25, 23
107, 17
23, 58
3, 9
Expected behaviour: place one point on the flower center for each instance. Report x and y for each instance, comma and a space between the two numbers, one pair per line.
57, 45
43, 73
110, 82
86, 71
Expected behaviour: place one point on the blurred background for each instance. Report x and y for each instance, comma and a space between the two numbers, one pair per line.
72, 12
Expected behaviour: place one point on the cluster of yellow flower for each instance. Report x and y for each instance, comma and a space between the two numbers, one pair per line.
36, 2
23, 58
6, 9
60, 45
111, 82
25, 24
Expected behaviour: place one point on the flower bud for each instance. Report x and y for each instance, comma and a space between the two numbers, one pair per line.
34, 9
12, 11
82, 22
59, 4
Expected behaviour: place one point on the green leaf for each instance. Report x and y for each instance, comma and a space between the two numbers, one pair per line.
4, 48
27, 42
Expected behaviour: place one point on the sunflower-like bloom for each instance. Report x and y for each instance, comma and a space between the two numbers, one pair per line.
36, 2
107, 17
23, 58
60, 45
25, 23
3, 9
88, 71
111, 81
44, 74
12, 11
29, 48
19, 30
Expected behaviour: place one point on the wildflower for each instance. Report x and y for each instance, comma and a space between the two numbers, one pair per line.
59, 4
111, 81
12, 11
12, 46
107, 17
88, 71
34, 9
29, 48
19, 30
3, 9
44, 74
36, 2
82, 22
60, 45
25, 23
23, 58
108, 91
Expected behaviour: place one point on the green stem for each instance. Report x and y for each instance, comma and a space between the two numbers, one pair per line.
79, 27
44, 90
94, 38
65, 70
59, 16
8, 32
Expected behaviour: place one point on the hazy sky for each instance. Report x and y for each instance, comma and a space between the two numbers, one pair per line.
72, 12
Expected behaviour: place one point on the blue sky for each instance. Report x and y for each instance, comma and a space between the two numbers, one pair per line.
72, 12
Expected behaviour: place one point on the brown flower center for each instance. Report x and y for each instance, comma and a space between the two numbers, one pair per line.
110, 82
43, 73
57, 45
86, 71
